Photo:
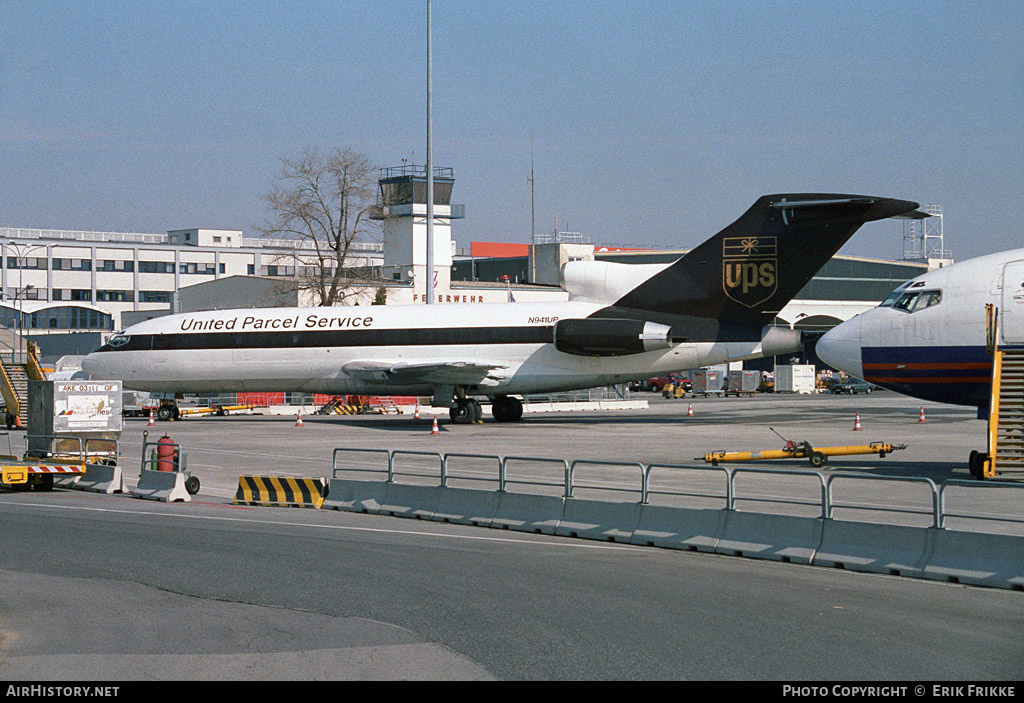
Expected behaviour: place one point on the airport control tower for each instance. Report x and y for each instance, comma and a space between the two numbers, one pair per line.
403, 211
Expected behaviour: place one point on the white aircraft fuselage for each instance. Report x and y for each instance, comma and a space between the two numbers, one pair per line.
928, 339
332, 350
715, 304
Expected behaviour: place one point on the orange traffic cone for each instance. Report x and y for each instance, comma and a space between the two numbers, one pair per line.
920, 418
152, 422
856, 422
416, 415
434, 430
689, 410
298, 419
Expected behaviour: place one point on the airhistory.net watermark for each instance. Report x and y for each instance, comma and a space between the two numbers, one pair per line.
39, 691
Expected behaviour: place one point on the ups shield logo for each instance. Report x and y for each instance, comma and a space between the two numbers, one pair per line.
749, 269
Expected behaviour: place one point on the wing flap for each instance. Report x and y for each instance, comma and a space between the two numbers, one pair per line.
453, 372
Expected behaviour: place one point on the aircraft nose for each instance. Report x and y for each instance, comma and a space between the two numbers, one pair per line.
840, 347
93, 363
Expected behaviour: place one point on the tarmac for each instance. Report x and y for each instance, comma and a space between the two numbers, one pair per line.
141, 590
664, 433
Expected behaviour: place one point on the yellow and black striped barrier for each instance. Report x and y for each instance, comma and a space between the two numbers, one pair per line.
349, 410
281, 491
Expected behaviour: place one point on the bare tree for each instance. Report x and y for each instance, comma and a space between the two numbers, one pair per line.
324, 203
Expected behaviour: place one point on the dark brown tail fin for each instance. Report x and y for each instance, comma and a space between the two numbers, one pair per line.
748, 272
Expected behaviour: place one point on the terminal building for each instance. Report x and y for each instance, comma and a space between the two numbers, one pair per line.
68, 290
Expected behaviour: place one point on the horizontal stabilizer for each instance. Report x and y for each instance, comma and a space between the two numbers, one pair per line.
913, 215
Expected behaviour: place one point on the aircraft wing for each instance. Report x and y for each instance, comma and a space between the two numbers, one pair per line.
454, 372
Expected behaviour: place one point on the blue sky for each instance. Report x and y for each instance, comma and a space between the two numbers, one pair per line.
650, 123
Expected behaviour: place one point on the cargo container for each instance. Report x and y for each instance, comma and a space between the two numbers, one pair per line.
710, 381
796, 378
743, 383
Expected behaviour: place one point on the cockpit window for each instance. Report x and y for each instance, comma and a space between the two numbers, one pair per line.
928, 299
892, 298
118, 339
918, 300
906, 301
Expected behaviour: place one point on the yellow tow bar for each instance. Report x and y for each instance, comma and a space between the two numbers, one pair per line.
818, 456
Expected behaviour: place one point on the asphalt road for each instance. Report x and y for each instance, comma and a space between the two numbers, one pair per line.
115, 588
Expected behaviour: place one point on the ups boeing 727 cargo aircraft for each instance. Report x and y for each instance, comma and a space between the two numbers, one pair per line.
715, 304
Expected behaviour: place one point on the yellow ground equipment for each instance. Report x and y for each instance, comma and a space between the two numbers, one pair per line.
38, 469
23, 475
212, 410
673, 390
818, 456
343, 405
1004, 459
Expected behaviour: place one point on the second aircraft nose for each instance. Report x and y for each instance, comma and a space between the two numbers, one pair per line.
840, 347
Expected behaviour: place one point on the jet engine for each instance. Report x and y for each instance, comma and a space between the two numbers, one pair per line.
610, 337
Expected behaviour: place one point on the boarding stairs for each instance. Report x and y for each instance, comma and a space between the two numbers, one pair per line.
386, 406
19, 379
15, 372
1006, 416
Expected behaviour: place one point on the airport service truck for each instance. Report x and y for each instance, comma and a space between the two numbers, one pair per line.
138, 404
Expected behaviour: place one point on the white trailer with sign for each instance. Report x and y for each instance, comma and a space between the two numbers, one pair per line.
85, 410
72, 425
795, 378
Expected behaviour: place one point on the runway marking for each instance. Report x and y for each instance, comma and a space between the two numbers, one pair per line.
380, 530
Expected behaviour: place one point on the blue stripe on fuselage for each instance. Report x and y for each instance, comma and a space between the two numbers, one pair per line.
959, 375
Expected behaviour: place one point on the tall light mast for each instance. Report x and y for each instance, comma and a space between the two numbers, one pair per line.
429, 293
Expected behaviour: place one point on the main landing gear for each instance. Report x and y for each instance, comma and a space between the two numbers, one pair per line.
507, 409
467, 411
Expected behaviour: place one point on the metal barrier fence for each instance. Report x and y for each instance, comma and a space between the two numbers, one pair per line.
943, 513
345, 459
72, 447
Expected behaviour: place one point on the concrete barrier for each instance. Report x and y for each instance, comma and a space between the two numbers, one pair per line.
99, 478
280, 491
580, 405
884, 549
678, 528
402, 500
965, 557
591, 519
764, 536
168, 486
976, 558
354, 496
466, 506
528, 513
